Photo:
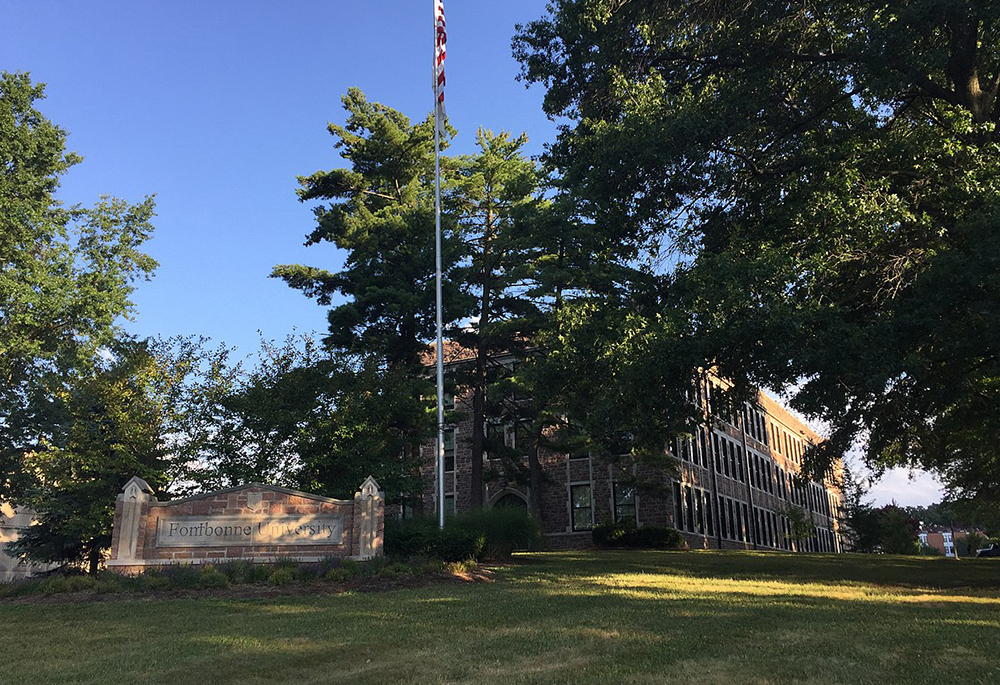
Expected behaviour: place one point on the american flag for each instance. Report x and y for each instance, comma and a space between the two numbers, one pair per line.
440, 39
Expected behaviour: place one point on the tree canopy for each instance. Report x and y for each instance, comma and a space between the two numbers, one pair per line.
816, 188
83, 407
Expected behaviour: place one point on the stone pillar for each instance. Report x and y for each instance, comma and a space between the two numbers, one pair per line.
369, 520
129, 510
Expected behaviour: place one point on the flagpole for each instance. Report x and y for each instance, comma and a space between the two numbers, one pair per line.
437, 275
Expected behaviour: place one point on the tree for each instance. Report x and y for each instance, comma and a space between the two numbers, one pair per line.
801, 526
66, 278
497, 200
381, 212
898, 531
246, 423
113, 423
818, 188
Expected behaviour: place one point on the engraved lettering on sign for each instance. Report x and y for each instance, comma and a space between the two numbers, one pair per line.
222, 531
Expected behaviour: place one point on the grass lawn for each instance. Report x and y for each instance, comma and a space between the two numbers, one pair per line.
580, 617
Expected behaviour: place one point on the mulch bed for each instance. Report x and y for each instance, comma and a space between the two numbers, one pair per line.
263, 590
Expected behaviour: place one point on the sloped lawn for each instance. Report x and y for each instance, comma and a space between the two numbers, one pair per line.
582, 617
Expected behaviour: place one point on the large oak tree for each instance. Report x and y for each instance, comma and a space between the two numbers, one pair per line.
817, 186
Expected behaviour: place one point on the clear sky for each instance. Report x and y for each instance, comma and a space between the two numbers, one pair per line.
217, 106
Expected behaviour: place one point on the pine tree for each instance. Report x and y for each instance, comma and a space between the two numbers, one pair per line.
380, 211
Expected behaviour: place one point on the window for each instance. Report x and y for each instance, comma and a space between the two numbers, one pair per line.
407, 510
449, 450
449, 505
624, 495
734, 520
678, 512
706, 459
709, 523
449, 401
583, 510
715, 449
689, 502
723, 528
700, 511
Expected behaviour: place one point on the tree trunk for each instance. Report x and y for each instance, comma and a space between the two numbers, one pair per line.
535, 478
94, 561
478, 439
479, 406
482, 358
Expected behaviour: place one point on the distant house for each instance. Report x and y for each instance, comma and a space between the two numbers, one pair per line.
943, 539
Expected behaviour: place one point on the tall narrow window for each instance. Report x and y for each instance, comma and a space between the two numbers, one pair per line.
734, 521
449, 450
689, 502
700, 511
624, 502
678, 507
583, 511
709, 523
723, 528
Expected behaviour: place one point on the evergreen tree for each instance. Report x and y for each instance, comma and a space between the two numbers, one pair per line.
380, 211
497, 201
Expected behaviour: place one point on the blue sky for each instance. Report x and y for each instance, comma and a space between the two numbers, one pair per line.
217, 106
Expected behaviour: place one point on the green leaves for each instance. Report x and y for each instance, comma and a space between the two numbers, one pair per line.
820, 173
66, 279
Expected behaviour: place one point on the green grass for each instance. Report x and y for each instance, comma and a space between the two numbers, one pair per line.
583, 617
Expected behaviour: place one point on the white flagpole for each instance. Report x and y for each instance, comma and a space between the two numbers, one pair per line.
437, 274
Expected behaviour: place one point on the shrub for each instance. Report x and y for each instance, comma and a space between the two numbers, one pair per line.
152, 580
339, 575
487, 533
503, 529
424, 566
655, 537
625, 534
410, 537
610, 533
307, 572
282, 576
55, 585
460, 567
185, 576
211, 577
455, 544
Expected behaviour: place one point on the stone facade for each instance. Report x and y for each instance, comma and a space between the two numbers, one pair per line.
730, 487
260, 523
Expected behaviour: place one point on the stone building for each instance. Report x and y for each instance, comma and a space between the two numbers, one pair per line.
733, 488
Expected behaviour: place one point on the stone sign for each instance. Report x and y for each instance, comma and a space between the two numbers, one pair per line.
261, 523
200, 531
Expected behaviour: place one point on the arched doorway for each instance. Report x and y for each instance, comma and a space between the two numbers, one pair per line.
509, 498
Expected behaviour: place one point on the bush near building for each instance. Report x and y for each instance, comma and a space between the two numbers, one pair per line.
492, 534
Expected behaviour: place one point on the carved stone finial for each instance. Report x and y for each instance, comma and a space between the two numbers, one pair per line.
137, 486
369, 487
